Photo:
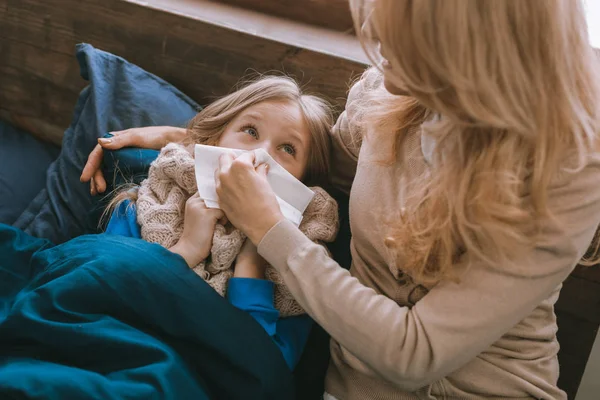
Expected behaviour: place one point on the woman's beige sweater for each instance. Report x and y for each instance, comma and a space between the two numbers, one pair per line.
493, 334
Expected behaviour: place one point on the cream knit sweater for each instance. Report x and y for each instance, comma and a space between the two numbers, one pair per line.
160, 213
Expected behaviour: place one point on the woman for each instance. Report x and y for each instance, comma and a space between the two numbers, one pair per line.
471, 202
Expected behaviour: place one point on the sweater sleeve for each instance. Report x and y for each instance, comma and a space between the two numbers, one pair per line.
123, 221
255, 296
454, 322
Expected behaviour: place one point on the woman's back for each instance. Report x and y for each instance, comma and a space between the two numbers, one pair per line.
445, 334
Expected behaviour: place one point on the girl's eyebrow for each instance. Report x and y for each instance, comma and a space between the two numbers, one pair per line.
252, 115
296, 136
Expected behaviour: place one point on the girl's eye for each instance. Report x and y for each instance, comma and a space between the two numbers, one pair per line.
250, 130
288, 148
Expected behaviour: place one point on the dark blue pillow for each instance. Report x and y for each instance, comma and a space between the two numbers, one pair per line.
24, 161
120, 95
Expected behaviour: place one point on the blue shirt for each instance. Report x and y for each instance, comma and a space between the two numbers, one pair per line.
255, 296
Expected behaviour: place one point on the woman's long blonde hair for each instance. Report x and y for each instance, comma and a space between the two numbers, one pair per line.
516, 84
210, 123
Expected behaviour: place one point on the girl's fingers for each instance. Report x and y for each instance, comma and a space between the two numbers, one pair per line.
217, 214
247, 158
93, 190
99, 181
263, 169
117, 133
124, 139
93, 164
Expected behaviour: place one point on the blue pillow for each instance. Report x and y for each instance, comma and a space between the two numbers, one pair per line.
120, 95
24, 161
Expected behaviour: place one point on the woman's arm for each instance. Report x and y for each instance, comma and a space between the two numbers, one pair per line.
449, 326
123, 221
454, 322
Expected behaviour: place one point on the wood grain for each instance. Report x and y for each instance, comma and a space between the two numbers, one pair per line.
588, 273
576, 337
203, 60
36, 99
333, 14
581, 298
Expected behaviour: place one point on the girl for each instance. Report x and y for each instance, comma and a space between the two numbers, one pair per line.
472, 152
270, 113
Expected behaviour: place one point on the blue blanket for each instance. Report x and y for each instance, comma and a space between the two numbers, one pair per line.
107, 317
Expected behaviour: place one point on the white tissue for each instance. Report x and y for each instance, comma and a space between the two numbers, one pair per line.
293, 196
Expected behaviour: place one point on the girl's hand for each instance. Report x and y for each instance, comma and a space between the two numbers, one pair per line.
151, 137
249, 264
246, 197
198, 229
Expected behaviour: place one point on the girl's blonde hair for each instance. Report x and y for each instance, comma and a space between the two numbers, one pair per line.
517, 86
210, 123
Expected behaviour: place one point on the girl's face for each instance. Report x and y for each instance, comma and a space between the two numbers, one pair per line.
277, 127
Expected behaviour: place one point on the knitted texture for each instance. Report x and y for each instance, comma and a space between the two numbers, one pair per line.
160, 212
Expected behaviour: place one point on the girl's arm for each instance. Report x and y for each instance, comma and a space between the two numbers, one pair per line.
151, 137
454, 322
249, 291
123, 221
255, 296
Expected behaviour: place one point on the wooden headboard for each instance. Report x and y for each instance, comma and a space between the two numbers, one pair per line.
203, 48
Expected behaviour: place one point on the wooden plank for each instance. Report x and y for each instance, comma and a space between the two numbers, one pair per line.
589, 273
590, 385
26, 97
37, 127
333, 14
578, 317
205, 59
581, 298
34, 97
26, 59
576, 337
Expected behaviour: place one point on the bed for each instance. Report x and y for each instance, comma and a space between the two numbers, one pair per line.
191, 50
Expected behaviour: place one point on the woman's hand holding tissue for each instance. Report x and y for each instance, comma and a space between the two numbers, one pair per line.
246, 197
198, 229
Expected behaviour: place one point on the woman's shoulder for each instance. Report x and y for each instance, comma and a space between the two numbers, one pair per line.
573, 200
362, 90
579, 174
349, 128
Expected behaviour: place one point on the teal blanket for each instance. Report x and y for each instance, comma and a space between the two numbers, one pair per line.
108, 317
